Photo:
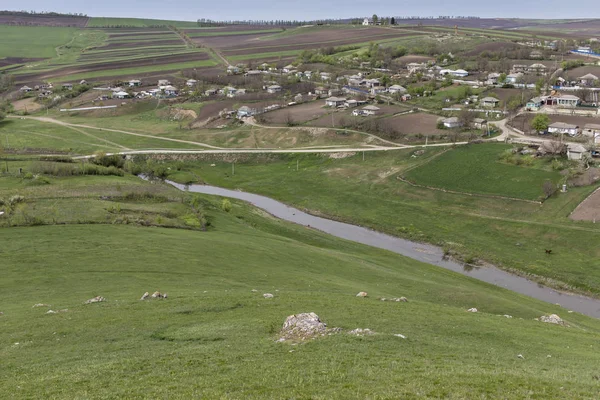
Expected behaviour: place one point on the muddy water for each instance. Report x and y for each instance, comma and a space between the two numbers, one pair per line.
417, 251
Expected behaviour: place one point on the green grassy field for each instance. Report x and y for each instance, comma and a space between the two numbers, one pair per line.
33, 41
215, 338
105, 22
511, 234
479, 170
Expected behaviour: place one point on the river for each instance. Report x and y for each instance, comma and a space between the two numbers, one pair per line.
417, 251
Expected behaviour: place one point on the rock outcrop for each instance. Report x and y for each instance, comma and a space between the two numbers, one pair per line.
97, 299
302, 326
552, 319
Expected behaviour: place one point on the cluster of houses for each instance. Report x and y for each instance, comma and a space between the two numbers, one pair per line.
587, 80
589, 130
266, 69
554, 99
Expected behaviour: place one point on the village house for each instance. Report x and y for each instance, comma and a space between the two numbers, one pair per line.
452, 122
135, 83
288, 68
335, 101
191, 82
253, 72
568, 100
513, 78
25, 89
351, 103
584, 49
538, 69
480, 123
492, 78
416, 67
522, 68
534, 104
321, 91
245, 111
396, 89
233, 70
67, 86
375, 90
211, 92
459, 73
406, 97
228, 91
593, 131
371, 110
120, 95
489, 102
169, 91
576, 151
163, 82
274, 89
325, 76
334, 92
588, 80
562, 128
536, 54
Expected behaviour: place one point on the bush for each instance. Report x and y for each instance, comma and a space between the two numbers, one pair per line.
226, 205
557, 165
16, 199
114, 160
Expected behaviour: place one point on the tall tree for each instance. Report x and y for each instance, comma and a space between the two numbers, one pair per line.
392, 21
540, 123
375, 19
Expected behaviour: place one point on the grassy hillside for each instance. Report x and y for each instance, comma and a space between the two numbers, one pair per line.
105, 22
215, 338
512, 234
33, 41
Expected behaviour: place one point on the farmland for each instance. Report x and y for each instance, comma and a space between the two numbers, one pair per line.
33, 41
481, 171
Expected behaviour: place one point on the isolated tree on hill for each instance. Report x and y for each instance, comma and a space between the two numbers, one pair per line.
540, 123
392, 21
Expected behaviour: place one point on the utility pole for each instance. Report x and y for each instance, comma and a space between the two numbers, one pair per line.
297, 164
233, 168
363, 155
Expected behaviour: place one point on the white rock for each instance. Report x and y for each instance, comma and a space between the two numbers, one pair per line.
97, 299
40, 305
302, 326
51, 312
521, 356
507, 316
361, 332
362, 294
268, 296
472, 309
254, 290
552, 319
145, 296
400, 335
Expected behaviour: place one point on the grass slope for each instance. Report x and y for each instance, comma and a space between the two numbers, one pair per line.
214, 337
103, 22
33, 41
511, 234
477, 169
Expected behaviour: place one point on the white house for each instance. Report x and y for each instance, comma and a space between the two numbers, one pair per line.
120, 95
585, 49
370, 110
274, 89
191, 82
575, 151
396, 89
513, 78
561, 127
593, 131
134, 82
25, 89
568, 100
452, 122
489, 102
588, 80
245, 111
335, 101
288, 68
459, 73
366, 22
163, 82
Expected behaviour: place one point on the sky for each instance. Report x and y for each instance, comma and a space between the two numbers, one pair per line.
191, 10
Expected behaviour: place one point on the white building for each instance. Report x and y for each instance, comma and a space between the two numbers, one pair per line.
562, 128
452, 122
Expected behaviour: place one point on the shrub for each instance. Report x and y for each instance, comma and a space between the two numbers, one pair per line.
549, 188
114, 160
16, 199
226, 205
557, 165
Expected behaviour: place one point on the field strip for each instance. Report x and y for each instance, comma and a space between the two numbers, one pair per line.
63, 139
521, 221
491, 196
54, 121
97, 138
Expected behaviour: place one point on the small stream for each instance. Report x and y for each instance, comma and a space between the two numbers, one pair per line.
417, 251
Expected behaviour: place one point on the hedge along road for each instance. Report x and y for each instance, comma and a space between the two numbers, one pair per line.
417, 251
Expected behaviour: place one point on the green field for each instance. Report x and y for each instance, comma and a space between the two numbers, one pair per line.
33, 41
215, 338
106, 22
478, 169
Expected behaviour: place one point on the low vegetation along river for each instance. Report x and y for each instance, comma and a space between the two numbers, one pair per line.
417, 251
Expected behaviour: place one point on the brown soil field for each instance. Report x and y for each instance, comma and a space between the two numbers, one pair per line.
580, 71
118, 34
299, 114
29, 105
4, 62
131, 30
232, 28
492, 47
504, 94
309, 39
523, 121
483, 23
42, 20
589, 209
416, 123
580, 28
107, 66
133, 45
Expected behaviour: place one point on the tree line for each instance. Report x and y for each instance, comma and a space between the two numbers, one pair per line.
203, 22
24, 13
